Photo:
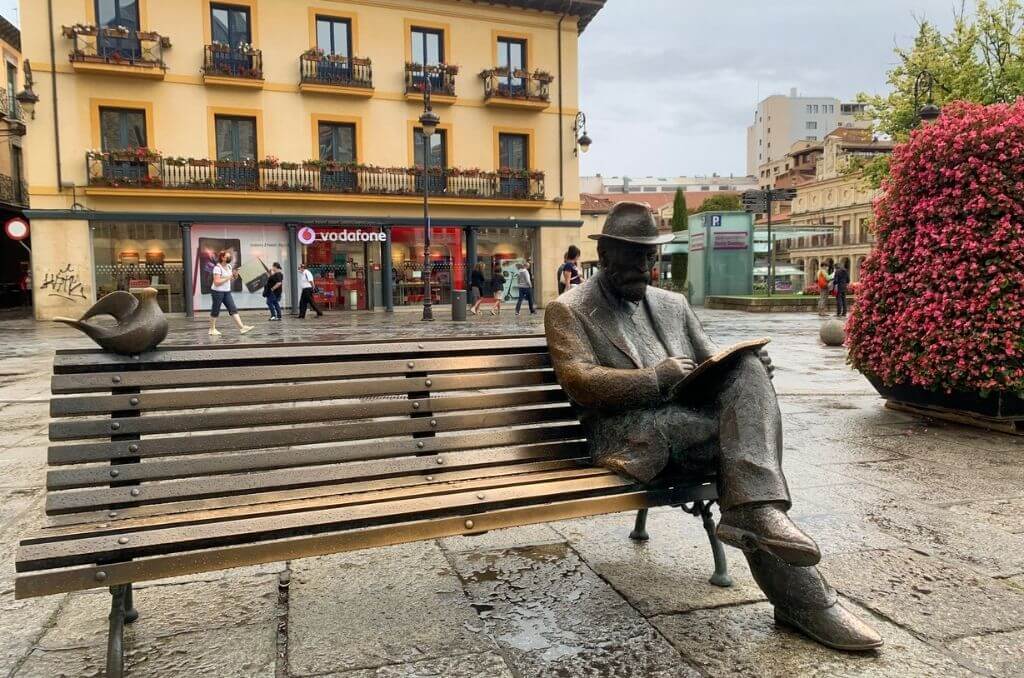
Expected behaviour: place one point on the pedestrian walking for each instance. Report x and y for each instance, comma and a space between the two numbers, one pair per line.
272, 290
306, 292
822, 282
525, 285
569, 272
477, 282
841, 282
223, 276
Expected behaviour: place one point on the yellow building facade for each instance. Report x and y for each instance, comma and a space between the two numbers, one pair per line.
287, 130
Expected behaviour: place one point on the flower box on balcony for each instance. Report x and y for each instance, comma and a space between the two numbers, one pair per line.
440, 76
117, 51
233, 65
517, 88
321, 73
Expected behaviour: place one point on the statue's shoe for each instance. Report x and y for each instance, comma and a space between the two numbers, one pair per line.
834, 627
766, 527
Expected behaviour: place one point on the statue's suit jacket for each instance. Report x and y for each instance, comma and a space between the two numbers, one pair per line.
630, 425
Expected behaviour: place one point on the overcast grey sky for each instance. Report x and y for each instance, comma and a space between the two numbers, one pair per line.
669, 86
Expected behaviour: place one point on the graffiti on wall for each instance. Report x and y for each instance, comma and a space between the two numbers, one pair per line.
64, 283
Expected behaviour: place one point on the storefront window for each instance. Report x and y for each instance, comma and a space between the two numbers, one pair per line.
500, 249
447, 264
131, 255
345, 263
253, 250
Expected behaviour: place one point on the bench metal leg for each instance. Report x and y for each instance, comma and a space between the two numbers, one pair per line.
115, 641
130, 613
721, 575
639, 532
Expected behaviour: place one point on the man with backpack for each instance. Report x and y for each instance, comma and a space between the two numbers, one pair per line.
841, 282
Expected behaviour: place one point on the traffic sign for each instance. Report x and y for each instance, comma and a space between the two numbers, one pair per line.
16, 228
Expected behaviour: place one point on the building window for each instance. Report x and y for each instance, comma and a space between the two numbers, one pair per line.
230, 24
334, 36
705, 188
236, 138
438, 148
812, 138
12, 85
810, 109
427, 46
337, 142
512, 56
811, 124
122, 128
513, 151
114, 14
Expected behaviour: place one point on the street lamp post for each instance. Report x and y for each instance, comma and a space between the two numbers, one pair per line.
924, 82
428, 125
579, 128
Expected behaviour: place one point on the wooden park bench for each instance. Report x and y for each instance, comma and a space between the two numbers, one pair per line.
201, 458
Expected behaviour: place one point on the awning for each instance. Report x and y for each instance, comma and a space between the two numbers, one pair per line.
779, 270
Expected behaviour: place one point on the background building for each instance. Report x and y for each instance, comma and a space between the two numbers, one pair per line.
598, 185
781, 120
286, 130
14, 257
838, 199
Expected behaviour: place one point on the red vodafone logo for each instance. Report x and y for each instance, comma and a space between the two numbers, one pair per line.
306, 235
16, 228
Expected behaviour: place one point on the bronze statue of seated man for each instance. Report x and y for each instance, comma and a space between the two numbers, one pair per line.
619, 349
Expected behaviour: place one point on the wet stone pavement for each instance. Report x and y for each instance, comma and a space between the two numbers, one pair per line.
920, 525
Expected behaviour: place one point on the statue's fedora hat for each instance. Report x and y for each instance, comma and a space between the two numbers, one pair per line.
632, 222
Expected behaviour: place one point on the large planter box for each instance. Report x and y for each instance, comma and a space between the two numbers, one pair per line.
1007, 407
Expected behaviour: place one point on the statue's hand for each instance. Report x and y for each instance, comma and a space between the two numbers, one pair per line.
767, 362
671, 371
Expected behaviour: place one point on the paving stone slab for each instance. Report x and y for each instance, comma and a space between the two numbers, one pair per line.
376, 607
552, 616
22, 622
933, 530
937, 447
1000, 654
934, 599
1004, 514
805, 449
837, 533
744, 641
232, 651
527, 535
166, 611
486, 665
932, 483
668, 573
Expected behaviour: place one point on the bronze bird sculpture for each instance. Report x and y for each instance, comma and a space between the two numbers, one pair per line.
141, 325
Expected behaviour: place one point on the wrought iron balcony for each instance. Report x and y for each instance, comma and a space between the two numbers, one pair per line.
441, 76
118, 49
242, 64
321, 72
13, 191
10, 109
517, 88
143, 168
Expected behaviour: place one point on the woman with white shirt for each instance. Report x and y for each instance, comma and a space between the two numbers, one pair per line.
223, 275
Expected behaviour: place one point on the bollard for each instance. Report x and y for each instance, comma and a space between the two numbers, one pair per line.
458, 304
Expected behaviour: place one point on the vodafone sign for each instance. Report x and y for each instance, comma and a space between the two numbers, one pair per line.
16, 228
307, 235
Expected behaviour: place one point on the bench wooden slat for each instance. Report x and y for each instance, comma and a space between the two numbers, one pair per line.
264, 354
271, 393
329, 496
169, 540
255, 417
64, 580
210, 486
195, 510
64, 478
290, 372
307, 435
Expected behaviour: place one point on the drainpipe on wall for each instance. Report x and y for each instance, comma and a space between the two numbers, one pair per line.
53, 91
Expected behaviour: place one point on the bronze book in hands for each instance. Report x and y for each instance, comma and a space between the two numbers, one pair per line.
713, 364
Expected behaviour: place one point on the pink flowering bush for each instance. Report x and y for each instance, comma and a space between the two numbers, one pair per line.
940, 302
